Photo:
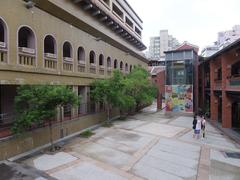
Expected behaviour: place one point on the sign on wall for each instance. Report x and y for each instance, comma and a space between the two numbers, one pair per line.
179, 98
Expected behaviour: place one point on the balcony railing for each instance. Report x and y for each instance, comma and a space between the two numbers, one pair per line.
50, 61
67, 64
81, 66
92, 68
101, 70
3, 55
27, 56
234, 80
109, 71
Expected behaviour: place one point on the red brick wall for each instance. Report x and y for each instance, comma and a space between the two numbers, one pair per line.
159, 80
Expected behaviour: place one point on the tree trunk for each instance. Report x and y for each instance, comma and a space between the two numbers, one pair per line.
51, 135
108, 113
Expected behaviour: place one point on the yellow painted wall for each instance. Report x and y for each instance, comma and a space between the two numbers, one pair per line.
15, 14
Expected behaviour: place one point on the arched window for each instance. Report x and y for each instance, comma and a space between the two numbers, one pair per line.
109, 62
115, 64
92, 57
67, 50
121, 65
101, 60
126, 67
3, 33
50, 45
81, 54
26, 39
130, 69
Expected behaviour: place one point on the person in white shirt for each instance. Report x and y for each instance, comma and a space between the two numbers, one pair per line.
198, 127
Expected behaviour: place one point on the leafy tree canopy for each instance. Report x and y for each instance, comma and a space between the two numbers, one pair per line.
35, 104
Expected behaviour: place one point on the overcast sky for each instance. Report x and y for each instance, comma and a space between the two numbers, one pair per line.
196, 21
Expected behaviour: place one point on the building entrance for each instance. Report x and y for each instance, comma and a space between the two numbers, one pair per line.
236, 115
220, 109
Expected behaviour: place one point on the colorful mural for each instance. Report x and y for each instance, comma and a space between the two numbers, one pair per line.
179, 98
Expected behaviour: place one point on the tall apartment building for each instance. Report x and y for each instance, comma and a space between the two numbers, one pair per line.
227, 37
154, 48
64, 43
160, 44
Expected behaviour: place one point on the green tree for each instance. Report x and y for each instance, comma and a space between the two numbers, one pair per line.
138, 86
37, 104
108, 91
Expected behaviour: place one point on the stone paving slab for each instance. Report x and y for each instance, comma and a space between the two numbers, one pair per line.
160, 129
182, 121
47, 162
86, 171
129, 124
104, 154
169, 167
152, 173
177, 159
212, 140
173, 158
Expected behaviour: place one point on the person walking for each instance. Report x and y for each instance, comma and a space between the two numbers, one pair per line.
194, 125
203, 126
198, 127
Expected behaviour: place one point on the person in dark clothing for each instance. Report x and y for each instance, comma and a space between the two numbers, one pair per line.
194, 125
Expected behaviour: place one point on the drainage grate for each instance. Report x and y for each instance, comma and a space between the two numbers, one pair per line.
235, 155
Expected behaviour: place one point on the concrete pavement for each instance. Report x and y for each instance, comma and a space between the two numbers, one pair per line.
148, 145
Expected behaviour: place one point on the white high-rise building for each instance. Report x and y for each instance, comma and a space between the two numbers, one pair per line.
159, 44
154, 48
227, 37
224, 39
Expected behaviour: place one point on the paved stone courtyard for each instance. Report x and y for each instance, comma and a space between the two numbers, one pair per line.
148, 145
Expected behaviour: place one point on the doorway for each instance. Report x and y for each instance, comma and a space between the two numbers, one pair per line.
236, 115
220, 109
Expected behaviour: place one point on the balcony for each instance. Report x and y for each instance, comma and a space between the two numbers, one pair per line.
92, 68
101, 70
50, 61
3, 52
234, 80
67, 64
109, 71
81, 66
27, 56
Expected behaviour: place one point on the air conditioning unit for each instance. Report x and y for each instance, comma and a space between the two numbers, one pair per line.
92, 64
81, 62
109, 68
27, 50
101, 67
50, 55
69, 59
2, 45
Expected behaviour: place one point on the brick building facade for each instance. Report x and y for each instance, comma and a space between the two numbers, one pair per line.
158, 78
219, 86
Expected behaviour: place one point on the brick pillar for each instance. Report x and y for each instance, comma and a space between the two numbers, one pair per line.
159, 100
226, 102
202, 102
226, 111
213, 98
